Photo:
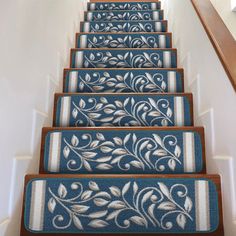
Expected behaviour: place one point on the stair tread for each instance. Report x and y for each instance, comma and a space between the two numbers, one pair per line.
124, 26
123, 80
195, 196
152, 5
159, 109
65, 150
122, 40
123, 58
143, 15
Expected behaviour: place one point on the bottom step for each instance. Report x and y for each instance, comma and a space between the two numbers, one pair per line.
155, 204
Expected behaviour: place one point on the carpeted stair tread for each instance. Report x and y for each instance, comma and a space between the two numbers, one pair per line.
122, 204
123, 15
122, 40
123, 150
123, 58
124, 26
123, 80
143, 109
101, 6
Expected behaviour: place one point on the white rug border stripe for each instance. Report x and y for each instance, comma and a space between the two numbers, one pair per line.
79, 59
73, 81
54, 152
171, 81
89, 16
83, 41
155, 15
86, 27
202, 205
154, 6
158, 27
167, 59
37, 205
179, 110
189, 152
92, 6
65, 111
162, 41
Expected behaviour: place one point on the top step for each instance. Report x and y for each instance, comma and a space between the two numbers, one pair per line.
101, 6
109, 1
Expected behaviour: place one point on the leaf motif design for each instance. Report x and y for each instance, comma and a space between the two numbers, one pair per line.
74, 141
116, 205
118, 141
100, 202
172, 164
86, 194
138, 220
119, 151
151, 210
98, 224
79, 208
146, 196
135, 187
87, 165
137, 164
82, 103
188, 204
113, 214
62, 192
89, 154
160, 152
181, 220
74, 113
98, 214
125, 188
51, 205
100, 136
66, 151
115, 191
177, 151
93, 186
158, 140
77, 222
167, 206
164, 189
104, 166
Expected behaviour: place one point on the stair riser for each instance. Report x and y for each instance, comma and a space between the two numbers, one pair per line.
117, 58
69, 197
123, 110
112, 151
124, 6
126, 26
123, 80
123, 15
123, 41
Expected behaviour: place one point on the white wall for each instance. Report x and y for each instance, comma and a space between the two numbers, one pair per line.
214, 99
225, 9
34, 48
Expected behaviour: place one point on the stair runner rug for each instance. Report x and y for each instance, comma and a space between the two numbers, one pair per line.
124, 26
121, 205
123, 110
123, 151
133, 40
123, 81
123, 58
123, 15
132, 6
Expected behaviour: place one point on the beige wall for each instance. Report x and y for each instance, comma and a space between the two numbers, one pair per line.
225, 9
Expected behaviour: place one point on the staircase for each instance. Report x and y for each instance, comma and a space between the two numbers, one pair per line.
123, 155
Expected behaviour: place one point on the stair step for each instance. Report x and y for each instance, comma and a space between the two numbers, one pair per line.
143, 109
123, 15
123, 80
122, 40
115, 204
124, 26
123, 150
124, 6
123, 58
112, 1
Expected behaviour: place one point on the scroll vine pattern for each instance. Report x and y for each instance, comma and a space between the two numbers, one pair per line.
122, 27
126, 60
156, 206
110, 16
128, 82
128, 112
153, 153
127, 6
125, 42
